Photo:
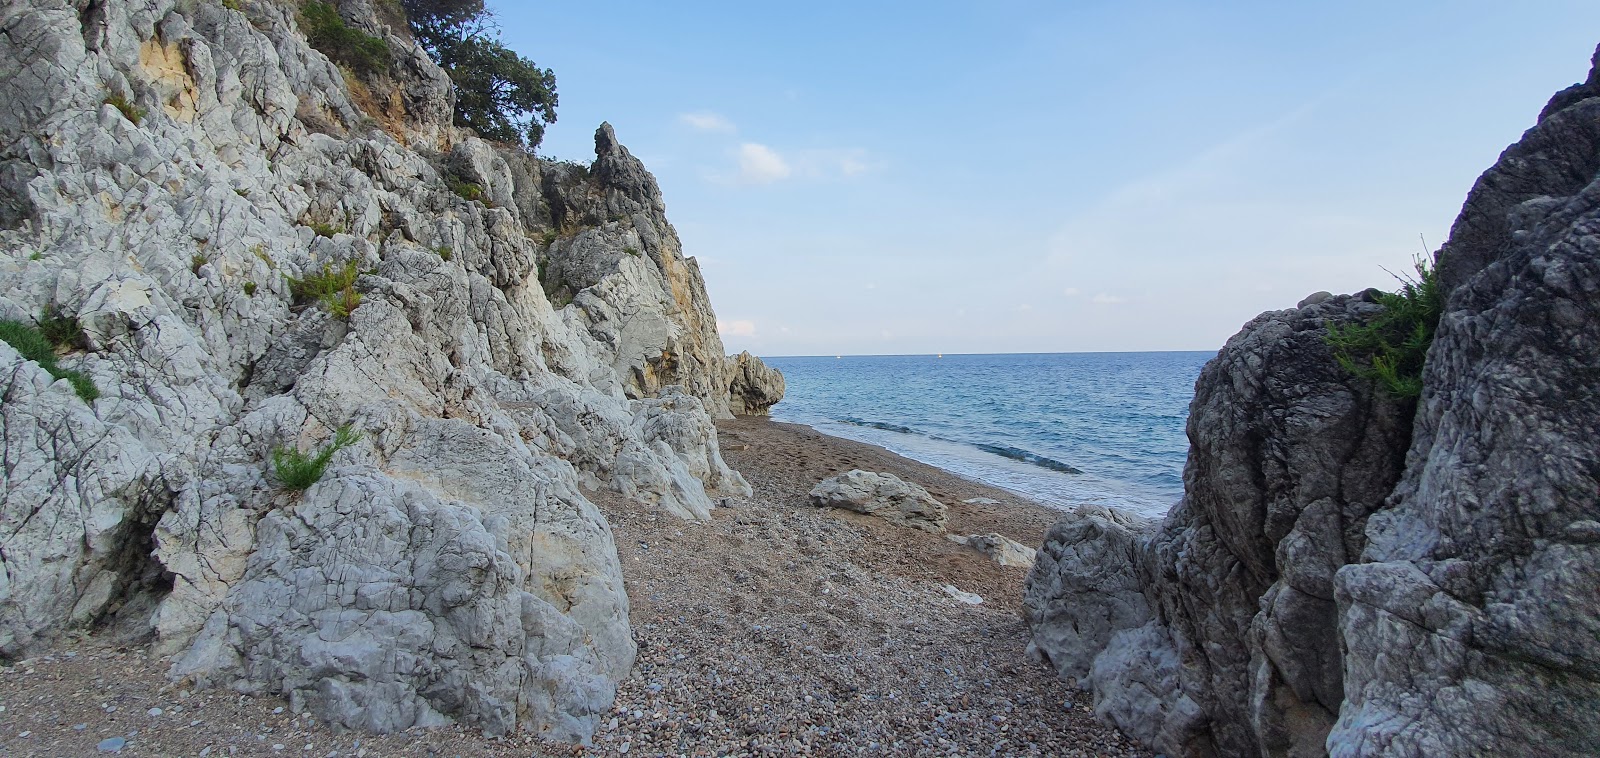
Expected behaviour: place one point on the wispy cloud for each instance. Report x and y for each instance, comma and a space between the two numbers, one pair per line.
707, 121
1106, 299
737, 328
759, 164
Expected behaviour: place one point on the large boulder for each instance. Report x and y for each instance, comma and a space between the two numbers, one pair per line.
1484, 566
1363, 575
755, 386
883, 495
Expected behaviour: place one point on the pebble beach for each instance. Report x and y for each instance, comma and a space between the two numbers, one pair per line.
775, 628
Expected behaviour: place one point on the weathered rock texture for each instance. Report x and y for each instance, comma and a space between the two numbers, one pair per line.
1356, 575
754, 387
883, 495
448, 566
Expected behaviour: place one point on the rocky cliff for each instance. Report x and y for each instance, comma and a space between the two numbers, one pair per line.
1353, 574
178, 179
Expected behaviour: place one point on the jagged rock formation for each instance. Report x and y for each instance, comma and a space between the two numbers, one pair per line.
755, 387
883, 495
166, 168
1356, 575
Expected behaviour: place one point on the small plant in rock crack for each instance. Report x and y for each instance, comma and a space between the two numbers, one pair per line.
34, 345
335, 288
297, 471
130, 111
1390, 349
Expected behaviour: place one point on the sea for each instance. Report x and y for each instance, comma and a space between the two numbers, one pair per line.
1060, 428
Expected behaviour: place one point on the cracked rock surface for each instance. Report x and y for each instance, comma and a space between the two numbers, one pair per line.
1356, 575
168, 170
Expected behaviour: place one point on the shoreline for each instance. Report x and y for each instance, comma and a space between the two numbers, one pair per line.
1132, 499
774, 628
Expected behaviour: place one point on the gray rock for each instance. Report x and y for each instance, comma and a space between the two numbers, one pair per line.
1339, 579
112, 745
881, 495
1481, 568
1085, 586
755, 387
448, 568
1000, 549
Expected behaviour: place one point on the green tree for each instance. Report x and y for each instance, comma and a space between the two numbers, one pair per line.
499, 94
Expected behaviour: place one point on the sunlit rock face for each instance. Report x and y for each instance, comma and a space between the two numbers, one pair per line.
1355, 575
524, 330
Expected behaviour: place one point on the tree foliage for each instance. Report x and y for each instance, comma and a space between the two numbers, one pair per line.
1390, 349
499, 94
326, 31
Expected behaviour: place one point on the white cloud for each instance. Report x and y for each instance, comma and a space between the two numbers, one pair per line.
759, 164
736, 328
1105, 299
1072, 292
706, 121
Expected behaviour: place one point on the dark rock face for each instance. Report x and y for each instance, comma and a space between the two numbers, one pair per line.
1337, 580
755, 386
1486, 563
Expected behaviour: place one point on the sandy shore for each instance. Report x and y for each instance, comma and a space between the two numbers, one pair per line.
777, 628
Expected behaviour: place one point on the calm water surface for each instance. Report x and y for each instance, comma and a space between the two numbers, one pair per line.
1061, 428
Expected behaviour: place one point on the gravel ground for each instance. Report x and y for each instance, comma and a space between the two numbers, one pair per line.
775, 629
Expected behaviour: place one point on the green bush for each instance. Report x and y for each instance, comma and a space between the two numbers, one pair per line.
325, 229
297, 471
335, 288
1390, 349
250, 289
34, 345
631, 250
466, 190
327, 32
444, 251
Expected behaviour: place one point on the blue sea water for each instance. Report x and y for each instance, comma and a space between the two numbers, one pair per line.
1060, 428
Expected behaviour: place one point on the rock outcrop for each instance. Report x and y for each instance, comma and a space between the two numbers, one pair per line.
174, 176
885, 496
1352, 574
754, 387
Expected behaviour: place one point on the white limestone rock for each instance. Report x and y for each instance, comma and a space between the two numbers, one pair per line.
448, 567
883, 495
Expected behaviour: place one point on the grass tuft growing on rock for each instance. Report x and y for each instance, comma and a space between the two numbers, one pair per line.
335, 288
1391, 348
297, 470
130, 111
327, 32
63, 331
34, 345
468, 191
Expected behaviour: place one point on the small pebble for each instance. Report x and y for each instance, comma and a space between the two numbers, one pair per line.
111, 745
154, 711
25, 734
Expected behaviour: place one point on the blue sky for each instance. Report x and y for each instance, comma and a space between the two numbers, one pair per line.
872, 178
